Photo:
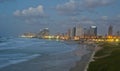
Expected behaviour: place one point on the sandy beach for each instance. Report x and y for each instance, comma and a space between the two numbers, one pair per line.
84, 62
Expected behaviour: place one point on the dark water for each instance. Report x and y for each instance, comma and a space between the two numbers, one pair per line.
52, 53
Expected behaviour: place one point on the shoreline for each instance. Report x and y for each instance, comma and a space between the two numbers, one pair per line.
83, 63
91, 57
96, 49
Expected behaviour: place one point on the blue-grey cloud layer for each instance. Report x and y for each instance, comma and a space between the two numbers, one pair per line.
75, 7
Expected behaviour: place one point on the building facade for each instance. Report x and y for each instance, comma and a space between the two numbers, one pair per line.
93, 30
110, 30
73, 32
79, 31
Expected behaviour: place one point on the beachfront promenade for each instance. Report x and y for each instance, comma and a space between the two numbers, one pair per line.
77, 38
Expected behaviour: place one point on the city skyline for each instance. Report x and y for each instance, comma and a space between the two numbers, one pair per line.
19, 16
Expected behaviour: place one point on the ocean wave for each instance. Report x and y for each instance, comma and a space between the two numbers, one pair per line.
20, 43
17, 50
8, 62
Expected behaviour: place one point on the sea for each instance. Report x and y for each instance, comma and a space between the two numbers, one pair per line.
54, 54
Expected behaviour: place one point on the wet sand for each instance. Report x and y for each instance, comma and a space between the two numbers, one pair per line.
84, 62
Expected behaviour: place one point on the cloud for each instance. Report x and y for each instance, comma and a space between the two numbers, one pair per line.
104, 17
31, 12
69, 8
32, 15
75, 7
96, 3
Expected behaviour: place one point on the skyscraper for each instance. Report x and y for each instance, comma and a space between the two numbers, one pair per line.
118, 33
86, 32
69, 32
74, 31
93, 31
79, 30
110, 30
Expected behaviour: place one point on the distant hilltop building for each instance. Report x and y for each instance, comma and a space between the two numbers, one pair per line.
110, 30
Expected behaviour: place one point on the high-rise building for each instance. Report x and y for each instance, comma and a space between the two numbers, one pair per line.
79, 30
73, 32
110, 30
86, 32
93, 31
69, 32
118, 33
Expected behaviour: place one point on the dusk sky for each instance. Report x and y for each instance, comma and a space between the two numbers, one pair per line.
19, 16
